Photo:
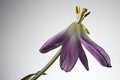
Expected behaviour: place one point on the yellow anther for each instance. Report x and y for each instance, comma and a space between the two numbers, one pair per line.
86, 14
86, 30
84, 10
78, 12
77, 9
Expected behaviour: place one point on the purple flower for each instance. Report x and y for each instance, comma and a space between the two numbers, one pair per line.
71, 40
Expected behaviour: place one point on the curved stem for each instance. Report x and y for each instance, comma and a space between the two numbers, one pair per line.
42, 71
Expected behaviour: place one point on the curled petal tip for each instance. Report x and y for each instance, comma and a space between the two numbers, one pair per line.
67, 70
41, 50
109, 66
87, 68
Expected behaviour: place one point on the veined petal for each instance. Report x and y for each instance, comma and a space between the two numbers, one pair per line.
98, 52
53, 42
82, 57
69, 53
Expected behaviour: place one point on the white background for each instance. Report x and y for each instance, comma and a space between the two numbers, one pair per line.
26, 24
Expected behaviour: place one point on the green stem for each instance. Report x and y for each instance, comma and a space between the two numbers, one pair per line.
42, 71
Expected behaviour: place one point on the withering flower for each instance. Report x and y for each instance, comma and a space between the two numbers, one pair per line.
71, 40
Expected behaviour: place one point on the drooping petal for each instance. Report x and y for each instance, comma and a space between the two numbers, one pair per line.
53, 42
69, 53
82, 57
98, 52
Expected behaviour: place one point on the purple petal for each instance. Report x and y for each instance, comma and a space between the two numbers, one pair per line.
69, 54
82, 57
53, 42
98, 52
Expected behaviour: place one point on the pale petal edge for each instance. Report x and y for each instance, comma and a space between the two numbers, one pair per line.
69, 54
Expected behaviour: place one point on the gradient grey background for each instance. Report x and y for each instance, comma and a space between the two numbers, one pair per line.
26, 24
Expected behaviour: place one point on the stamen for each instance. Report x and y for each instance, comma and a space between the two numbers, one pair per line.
78, 12
77, 9
87, 14
81, 14
84, 10
87, 31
